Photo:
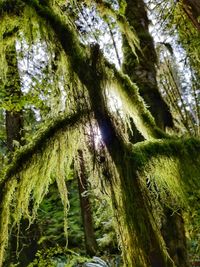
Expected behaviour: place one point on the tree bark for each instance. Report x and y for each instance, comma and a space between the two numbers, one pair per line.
174, 235
86, 211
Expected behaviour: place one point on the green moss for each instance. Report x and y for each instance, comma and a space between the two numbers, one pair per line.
5, 210
79, 58
33, 168
133, 103
39, 142
52, 256
168, 164
139, 232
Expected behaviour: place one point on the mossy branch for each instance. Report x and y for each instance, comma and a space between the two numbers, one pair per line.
173, 147
173, 164
133, 102
185, 150
34, 166
79, 57
24, 154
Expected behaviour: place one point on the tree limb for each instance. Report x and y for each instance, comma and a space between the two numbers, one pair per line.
23, 155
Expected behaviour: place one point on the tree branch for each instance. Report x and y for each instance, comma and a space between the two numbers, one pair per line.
80, 60
23, 155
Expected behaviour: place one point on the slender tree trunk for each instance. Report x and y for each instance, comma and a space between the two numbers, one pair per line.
142, 71
192, 10
25, 241
86, 212
14, 116
174, 235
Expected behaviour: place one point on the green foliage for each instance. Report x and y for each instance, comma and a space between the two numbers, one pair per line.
34, 180
192, 223
54, 256
50, 218
104, 223
75, 230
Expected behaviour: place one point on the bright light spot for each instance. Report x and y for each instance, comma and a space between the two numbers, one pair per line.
94, 135
114, 102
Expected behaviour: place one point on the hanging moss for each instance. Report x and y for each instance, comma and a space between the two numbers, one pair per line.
133, 103
23, 24
169, 164
5, 211
79, 58
33, 168
41, 139
140, 237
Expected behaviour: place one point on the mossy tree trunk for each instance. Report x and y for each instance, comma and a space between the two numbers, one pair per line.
140, 240
142, 71
23, 240
14, 114
86, 211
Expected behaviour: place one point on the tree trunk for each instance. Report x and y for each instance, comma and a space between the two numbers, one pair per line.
174, 235
192, 10
14, 116
27, 240
86, 212
141, 242
142, 71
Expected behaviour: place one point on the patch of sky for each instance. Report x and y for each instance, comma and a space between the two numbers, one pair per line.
158, 12
32, 60
93, 29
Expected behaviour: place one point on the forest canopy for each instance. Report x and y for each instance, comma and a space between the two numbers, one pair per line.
99, 112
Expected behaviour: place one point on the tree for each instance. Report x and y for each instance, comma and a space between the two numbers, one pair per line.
192, 9
14, 117
142, 71
86, 212
14, 134
163, 159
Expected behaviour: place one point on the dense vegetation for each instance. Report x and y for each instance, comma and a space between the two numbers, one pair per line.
99, 133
